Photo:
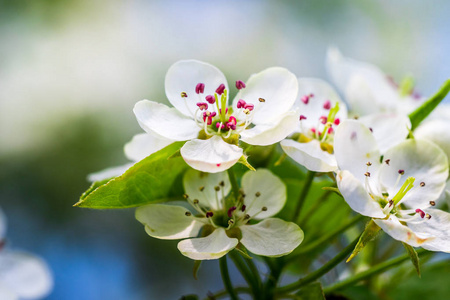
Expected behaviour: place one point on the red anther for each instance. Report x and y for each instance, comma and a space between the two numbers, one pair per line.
305, 99
401, 172
217, 124
302, 117
213, 114
323, 119
230, 211
202, 105
240, 84
218, 165
200, 88
210, 99
232, 120
220, 89
337, 121
311, 95
327, 104
420, 212
370, 128
241, 103
313, 130
209, 214
207, 117
330, 130
243, 207
226, 110
249, 106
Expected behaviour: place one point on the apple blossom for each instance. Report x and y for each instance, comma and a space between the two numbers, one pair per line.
22, 275
399, 189
223, 221
367, 89
260, 114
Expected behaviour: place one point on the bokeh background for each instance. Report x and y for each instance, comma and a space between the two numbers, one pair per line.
71, 71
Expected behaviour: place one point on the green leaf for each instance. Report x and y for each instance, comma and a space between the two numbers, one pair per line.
413, 256
153, 179
428, 106
370, 232
197, 265
312, 291
93, 187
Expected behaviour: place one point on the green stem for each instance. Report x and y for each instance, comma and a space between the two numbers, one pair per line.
372, 271
272, 279
313, 276
234, 184
250, 276
326, 238
226, 278
224, 293
255, 272
317, 204
309, 179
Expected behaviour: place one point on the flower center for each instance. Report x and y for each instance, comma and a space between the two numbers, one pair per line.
393, 206
228, 212
323, 131
215, 117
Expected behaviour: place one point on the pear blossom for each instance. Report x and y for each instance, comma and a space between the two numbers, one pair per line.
260, 113
22, 275
367, 89
399, 189
224, 222
320, 113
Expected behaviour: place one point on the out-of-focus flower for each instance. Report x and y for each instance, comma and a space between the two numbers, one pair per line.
260, 114
22, 275
399, 189
223, 220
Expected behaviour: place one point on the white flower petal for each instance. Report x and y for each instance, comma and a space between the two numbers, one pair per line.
277, 86
438, 227
271, 189
268, 134
400, 232
310, 155
437, 131
6, 293
388, 129
199, 185
354, 146
271, 237
108, 173
212, 155
25, 274
165, 121
356, 195
365, 86
144, 144
422, 160
322, 92
183, 76
214, 246
167, 222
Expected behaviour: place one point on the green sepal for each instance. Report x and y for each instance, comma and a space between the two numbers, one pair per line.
151, 180
428, 106
175, 154
197, 264
413, 256
243, 160
312, 291
370, 232
243, 252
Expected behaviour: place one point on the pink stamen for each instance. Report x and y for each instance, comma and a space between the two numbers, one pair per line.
202, 105
302, 117
220, 89
210, 99
243, 207
213, 114
217, 124
327, 104
240, 84
323, 119
330, 130
232, 120
230, 211
421, 213
200, 88
313, 130
209, 214
241, 103
249, 106
207, 117
305, 99
337, 121
226, 110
